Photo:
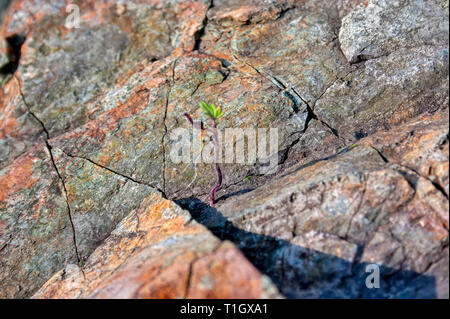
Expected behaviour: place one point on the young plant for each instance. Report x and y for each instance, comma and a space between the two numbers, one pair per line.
214, 113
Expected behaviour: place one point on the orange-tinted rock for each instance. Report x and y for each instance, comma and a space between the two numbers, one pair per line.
36, 236
421, 145
134, 138
19, 130
66, 70
159, 252
98, 199
86, 116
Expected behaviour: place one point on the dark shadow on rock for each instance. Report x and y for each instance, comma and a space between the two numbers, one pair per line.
300, 272
224, 197
14, 45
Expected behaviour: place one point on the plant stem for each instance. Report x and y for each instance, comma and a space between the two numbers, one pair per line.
189, 118
212, 194
218, 170
192, 121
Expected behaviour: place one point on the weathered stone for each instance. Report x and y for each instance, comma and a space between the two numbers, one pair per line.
381, 27
158, 252
155, 107
40, 236
387, 91
332, 218
301, 51
128, 138
56, 209
19, 129
22, 15
98, 199
248, 102
36, 236
79, 64
297, 50
231, 12
420, 145
86, 122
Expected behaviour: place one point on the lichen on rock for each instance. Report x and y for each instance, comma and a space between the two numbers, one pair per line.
92, 206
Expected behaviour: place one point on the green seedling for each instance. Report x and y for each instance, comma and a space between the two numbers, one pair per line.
214, 113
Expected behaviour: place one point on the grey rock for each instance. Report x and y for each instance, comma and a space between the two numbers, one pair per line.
381, 27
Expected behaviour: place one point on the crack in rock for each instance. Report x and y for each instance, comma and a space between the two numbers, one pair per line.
163, 139
49, 149
115, 172
199, 34
291, 93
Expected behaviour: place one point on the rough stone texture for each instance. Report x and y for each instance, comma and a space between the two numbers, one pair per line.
134, 138
79, 65
387, 91
159, 252
382, 27
19, 129
56, 209
358, 91
302, 52
314, 230
36, 236
98, 199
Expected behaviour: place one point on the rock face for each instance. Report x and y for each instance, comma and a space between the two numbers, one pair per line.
90, 197
373, 203
159, 252
36, 233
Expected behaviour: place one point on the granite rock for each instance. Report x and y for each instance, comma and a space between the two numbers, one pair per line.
358, 93
159, 252
320, 225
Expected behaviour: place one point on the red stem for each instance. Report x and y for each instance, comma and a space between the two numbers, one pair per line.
212, 194
189, 118
192, 121
218, 170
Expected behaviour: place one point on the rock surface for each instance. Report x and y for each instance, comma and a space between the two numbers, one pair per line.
159, 252
358, 91
375, 202
36, 236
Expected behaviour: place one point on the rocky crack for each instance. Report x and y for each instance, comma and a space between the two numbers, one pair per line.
30, 112
189, 276
198, 36
47, 138
435, 185
49, 148
291, 93
163, 139
115, 172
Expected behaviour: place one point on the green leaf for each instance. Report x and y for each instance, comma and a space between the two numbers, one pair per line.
211, 110
217, 111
